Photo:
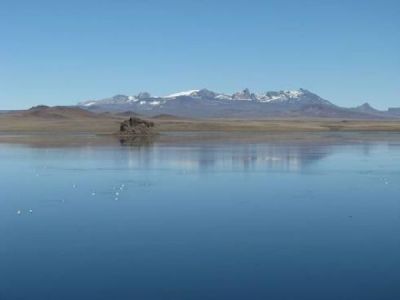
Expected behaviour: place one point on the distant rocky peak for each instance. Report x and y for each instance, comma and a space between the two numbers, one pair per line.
205, 93
246, 91
244, 95
143, 95
366, 107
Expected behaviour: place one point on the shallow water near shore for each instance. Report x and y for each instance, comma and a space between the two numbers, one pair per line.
201, 217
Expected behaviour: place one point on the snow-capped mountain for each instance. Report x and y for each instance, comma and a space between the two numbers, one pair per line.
117, 99
245, 95
206, 103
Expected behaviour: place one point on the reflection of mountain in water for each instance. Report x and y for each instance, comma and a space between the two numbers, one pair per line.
217, 151
255, 156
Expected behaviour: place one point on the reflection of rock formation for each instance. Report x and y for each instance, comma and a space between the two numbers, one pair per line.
137, 140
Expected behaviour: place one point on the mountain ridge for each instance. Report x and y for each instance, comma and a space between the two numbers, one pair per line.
246, 104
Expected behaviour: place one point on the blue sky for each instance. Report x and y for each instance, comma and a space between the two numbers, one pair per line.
62, 52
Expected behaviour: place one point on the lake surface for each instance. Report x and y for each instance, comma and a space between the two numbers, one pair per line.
216, 218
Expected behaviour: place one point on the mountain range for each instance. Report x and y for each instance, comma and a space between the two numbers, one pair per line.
204, 103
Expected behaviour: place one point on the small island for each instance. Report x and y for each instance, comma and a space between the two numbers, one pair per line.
136, 127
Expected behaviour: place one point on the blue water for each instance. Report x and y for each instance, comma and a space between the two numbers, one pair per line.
206, 220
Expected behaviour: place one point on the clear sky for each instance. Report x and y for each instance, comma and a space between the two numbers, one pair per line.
61, 52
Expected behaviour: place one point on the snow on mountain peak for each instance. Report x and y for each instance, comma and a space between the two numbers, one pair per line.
280, 96
89, 103
185, 93
294, 94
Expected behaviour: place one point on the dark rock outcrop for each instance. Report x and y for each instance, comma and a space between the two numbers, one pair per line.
136, 127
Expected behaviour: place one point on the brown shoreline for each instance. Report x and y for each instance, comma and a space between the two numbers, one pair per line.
198, 138
105, 124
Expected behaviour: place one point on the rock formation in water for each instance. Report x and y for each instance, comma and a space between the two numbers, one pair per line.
136, 127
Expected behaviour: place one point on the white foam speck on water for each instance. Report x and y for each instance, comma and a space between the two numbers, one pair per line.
19, 212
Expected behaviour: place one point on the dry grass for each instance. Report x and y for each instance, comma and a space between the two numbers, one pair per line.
110, 124
282, 125
73, 125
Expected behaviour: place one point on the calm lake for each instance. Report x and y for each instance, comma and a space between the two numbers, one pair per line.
201, 218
